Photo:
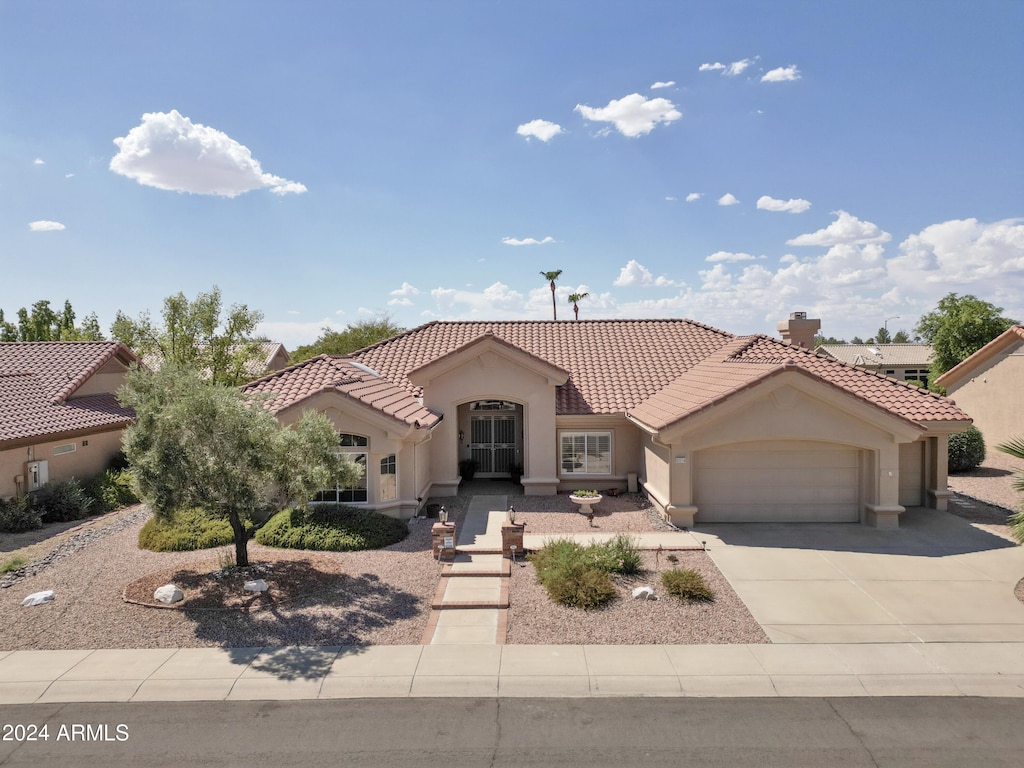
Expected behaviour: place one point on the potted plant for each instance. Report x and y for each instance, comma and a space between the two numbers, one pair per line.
467, 468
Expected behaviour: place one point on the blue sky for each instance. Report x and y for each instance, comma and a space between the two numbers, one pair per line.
729, 162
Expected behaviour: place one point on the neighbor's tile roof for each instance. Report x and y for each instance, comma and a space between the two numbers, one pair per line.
1007, 339
328, 373
38, 381
881, 355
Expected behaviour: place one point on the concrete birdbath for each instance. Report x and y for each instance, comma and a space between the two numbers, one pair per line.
586, 500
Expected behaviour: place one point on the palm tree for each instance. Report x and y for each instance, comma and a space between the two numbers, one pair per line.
575, 298
1015, 448
551, 277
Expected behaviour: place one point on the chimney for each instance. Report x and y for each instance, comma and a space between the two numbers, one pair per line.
798, 331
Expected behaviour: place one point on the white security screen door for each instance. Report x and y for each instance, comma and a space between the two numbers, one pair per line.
493, 443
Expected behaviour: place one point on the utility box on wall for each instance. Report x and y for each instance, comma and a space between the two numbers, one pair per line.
38, 473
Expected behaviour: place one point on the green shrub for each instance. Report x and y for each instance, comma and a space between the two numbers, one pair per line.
17, 515
966, 450
184, 531
332, 528
619, 555
62, 502
12, 564
686, 585
112, 489
580, 586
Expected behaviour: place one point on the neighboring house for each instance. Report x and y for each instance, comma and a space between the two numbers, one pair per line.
716, 427
904, 362
59, 414
989, 385
274, 357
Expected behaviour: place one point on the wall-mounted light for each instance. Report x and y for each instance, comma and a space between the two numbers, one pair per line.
461, 435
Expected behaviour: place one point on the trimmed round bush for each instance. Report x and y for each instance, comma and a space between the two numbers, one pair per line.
966, 450
580, 586
332, 528
184, 531
17, 515
686, 584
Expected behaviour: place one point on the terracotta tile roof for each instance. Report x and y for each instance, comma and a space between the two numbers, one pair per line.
613, 364
38, 381
880, 355
658, 371
328, 373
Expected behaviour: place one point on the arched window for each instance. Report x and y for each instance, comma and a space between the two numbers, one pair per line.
355, 447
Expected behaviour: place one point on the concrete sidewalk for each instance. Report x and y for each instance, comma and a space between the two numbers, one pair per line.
214, 674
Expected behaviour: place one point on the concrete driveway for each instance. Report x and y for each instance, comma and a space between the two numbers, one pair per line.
936, 579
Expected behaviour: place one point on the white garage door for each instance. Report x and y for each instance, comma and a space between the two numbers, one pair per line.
778, 482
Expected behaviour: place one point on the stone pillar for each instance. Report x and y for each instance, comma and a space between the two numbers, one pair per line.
512, 533
440, 535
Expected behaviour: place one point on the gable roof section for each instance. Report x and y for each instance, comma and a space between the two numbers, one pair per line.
37, 385
613, 365
880, 355
1004, 341
478, 346
328, 373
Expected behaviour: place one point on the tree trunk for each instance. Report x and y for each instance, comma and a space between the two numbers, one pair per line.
554, 307
241, 540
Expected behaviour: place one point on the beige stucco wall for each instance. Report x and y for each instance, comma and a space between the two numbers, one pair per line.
91, 456
994, 397
385, 438
492, 376
627, 454
109, 378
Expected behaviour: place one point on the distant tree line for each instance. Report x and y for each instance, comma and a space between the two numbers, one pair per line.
43, 323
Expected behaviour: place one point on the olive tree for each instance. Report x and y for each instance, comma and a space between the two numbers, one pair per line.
199, 444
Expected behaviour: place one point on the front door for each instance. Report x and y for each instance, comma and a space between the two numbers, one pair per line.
493, 443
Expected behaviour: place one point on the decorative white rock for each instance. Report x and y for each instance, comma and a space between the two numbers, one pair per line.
259, 585
643, 593
168, 594
38, 598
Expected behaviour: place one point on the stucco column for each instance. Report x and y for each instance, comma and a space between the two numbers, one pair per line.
937, 472
885, 513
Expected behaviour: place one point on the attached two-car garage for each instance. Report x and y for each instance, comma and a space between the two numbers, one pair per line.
782, 481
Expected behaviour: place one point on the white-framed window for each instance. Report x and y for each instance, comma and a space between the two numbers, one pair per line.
59, 449
585, 453
355, 447
388, 478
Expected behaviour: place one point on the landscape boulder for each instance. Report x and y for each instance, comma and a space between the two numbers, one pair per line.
257, 585
643, 593
39, 598
168, 594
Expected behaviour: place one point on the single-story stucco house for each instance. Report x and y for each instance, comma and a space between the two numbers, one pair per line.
713, 427
59, 414
989, 385
905, 362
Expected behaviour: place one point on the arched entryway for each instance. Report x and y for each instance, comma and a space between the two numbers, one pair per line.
491, 435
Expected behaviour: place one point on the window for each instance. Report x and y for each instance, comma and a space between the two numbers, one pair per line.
59, 449
388, 478
586, 453
353, 494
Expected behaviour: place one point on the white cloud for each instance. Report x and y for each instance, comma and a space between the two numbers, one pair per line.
46, 226
728, 199
527, 241
539, 129
402, 302
846, 229
69, 175
169, 151
717, 66
635, 274
694, 196
798, 205
632, 115
39, 161
497, 301
293, 333
727, 256
738, 67
662, 84
781, 75
670, 198
406, 290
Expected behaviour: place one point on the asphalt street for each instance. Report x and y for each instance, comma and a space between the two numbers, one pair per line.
619, 732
